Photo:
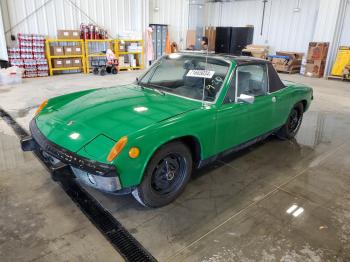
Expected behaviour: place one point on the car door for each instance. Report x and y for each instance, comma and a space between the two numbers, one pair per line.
239, 121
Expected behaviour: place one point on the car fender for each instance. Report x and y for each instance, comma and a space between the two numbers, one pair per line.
151, 138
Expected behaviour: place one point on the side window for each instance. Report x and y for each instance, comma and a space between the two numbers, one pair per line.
252, 80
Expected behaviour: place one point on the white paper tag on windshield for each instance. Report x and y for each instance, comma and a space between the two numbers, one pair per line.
201, 73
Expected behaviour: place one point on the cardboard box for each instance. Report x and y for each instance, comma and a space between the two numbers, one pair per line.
287, 61
210, 33
68, 50
58, 63
63, 34
315, 68
77, 50
68, 62
291, 55
57, 50
341, 61
280, 67
68, 34
259, 51
74, 34
76, 62
317, 51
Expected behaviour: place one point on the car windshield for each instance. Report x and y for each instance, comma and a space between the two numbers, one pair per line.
187, 75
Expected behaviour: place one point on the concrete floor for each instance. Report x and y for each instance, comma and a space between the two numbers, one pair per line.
234, 210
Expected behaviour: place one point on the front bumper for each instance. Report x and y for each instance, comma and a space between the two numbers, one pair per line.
92, 173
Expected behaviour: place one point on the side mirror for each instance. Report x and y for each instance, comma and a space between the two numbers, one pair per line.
246, 98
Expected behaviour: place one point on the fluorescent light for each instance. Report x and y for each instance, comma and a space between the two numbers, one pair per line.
291, 209
74, 135
140, 109
298, 212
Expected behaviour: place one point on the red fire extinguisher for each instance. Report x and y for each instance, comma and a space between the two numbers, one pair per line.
97, 32
91, 31
84, 31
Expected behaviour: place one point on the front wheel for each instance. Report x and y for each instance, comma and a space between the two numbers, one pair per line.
166, 175
291, 127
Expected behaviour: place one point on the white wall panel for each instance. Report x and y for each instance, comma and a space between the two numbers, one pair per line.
345, 35
289, 30
3, 49
116, 16
173, 13
283, 28
326, 22
213, 14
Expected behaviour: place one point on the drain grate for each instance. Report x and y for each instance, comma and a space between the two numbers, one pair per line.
110, 227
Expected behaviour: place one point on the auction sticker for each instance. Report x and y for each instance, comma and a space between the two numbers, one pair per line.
201, 73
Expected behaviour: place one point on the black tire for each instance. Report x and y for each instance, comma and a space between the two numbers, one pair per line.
95, 71
108, 69
103, 72
166, 175
291, 127
114, 71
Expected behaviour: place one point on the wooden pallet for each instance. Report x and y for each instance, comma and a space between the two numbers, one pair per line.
337, 78
292, 71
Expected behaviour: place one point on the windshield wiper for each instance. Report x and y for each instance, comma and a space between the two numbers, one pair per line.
154, 88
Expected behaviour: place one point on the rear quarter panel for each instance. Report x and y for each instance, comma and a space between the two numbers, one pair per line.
292, 94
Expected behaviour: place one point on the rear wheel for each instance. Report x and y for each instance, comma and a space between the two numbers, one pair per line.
166, 175
95, 71
114, 71
291, 127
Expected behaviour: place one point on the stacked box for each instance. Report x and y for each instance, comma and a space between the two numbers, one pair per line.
316, 59
30, 55
288, 62
134, 47
68, 34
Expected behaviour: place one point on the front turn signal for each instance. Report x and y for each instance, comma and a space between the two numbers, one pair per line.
134, 152
41, 107
117, 148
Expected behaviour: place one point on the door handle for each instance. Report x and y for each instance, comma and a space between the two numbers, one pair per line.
273, 99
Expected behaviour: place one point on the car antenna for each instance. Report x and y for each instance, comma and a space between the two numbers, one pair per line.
206, 68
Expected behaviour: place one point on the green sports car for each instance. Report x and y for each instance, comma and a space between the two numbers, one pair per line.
186, 111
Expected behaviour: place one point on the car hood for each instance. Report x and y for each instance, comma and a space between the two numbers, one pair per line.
74, 120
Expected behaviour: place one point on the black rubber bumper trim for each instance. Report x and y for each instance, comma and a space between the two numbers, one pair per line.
68, 157
111, 228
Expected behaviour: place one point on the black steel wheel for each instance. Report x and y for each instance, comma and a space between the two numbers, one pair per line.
294, 121
114, 71
95, 71
103, 71
291, 127
166, 175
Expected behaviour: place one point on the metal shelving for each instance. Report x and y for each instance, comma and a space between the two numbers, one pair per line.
50, 57
91, 49
140, 54
94, 45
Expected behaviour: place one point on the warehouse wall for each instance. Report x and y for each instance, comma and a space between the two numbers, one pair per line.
326, 22
115, 16
3, 49
345, 34
173, 13
283, 29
